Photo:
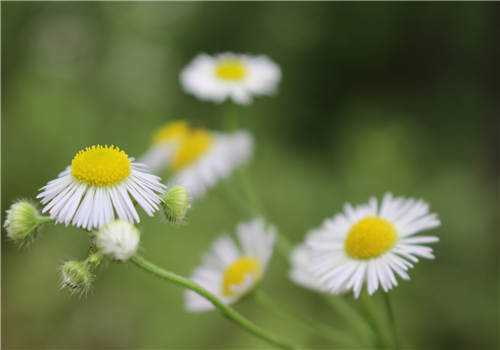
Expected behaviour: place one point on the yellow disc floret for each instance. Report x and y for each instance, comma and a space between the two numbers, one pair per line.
230, 69
173, 131
101, 166
237, 273
370, 237
191, 148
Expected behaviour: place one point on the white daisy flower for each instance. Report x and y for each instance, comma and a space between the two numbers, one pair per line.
99, 183
166, 141
301, 261
206, 158
230, 76
230, 272
197, 158
365, 244
118, 239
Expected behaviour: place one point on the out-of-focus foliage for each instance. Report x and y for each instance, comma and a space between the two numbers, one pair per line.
374, 97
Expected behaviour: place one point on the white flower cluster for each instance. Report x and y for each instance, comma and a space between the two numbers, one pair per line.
370, 246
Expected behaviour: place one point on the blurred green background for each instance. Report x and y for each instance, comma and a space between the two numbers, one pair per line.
374, 97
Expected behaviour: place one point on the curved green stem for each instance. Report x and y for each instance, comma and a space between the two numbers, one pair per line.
42, 220
226, 310
247, 188
239, 201
392, 320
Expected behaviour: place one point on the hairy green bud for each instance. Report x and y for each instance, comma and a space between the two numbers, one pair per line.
175, 204
23, 222
76, 277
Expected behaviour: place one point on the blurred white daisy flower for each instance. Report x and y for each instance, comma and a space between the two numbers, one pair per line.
365, 244
118, 239
230, 272
300, 260
197, 158
101, 181
205, 158
166, 141
230, 76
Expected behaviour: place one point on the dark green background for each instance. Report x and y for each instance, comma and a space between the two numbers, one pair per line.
374, 97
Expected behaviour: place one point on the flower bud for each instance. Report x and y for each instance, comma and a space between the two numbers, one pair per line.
118, 239
94, 260
23, 221
176, 204
76, 277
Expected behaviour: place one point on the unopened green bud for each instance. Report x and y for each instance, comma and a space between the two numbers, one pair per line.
176, 204
23, 221
76, 277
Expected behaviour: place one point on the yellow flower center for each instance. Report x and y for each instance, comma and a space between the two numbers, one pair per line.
192, 147
237, 273
101, 165
172, 131
370, 237
230, 69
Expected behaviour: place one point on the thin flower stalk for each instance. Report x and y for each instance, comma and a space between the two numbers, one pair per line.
225, 310
392, 320
370, 311
359, 324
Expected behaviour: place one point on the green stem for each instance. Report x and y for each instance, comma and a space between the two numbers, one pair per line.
319, 328
373, 317
42, 220
237, 199
359, 324
230, 118
247, 189
226, 310
45, 219
392, 320
283, 244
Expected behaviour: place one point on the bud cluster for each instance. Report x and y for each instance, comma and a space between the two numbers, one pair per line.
77, 276
117, 240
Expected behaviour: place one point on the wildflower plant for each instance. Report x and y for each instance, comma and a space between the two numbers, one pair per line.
99, 192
